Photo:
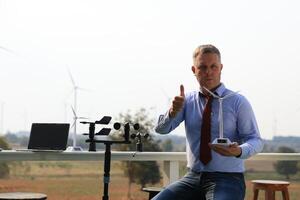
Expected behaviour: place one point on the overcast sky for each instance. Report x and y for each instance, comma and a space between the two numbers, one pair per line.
136, 53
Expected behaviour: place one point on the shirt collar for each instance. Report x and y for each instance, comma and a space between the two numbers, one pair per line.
220, 90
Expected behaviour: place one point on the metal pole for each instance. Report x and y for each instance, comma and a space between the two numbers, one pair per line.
106, 170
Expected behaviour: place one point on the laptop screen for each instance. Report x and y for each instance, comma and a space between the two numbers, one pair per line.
49, 136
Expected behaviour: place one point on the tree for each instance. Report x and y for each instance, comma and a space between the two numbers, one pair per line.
139, 172
4, 169
286, 168
11, 138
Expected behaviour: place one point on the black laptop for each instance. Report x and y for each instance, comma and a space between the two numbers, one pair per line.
48, 137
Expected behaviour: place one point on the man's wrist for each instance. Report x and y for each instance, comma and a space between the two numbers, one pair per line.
171, 113
239, 155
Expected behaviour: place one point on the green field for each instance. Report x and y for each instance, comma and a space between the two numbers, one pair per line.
83, 180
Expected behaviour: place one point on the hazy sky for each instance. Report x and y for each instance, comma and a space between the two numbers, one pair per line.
136, 53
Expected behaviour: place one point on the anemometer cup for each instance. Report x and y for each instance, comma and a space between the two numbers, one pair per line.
118, 125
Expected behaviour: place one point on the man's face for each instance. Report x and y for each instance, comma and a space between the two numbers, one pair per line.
207, 69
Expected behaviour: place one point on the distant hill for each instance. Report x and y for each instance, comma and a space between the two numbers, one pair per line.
20, 139
277, 141
177, 141
289, 139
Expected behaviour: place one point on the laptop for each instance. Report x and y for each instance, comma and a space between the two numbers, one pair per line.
51, 137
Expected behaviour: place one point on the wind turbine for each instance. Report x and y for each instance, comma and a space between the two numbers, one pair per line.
221, 140
74, 110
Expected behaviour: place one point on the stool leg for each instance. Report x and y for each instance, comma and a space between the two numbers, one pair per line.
269, 195
255, 194
151, 195
285, 194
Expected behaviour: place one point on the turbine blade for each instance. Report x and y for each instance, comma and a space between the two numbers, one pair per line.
71, 77
73, 124
216, 96
74, 113
8, 50
82, 118
83, 89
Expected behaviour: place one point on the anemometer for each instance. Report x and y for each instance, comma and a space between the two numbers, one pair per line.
105, 132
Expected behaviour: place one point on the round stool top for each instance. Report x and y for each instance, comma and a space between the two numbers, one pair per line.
271, 182
152, 189
22, 196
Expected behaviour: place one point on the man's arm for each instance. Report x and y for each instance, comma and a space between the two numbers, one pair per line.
248, 133
174, 116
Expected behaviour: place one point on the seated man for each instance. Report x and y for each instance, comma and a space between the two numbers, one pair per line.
215, 171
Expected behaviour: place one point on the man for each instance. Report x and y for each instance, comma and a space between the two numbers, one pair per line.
215, 171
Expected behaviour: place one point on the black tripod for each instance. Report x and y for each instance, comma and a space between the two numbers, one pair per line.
108, 143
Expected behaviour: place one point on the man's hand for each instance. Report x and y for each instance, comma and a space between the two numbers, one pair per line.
177, 103
231, 150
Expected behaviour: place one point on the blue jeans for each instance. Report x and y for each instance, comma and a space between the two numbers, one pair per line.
205, 186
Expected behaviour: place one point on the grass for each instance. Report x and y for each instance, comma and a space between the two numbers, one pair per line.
83, 180
69, 180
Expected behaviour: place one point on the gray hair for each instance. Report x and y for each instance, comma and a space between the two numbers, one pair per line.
206, 48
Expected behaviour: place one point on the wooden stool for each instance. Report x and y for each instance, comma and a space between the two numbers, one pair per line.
270, 188
22, 196
152, 191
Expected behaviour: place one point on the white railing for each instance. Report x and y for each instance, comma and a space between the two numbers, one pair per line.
170, 159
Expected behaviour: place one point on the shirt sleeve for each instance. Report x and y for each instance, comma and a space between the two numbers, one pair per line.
248, 131
166, 124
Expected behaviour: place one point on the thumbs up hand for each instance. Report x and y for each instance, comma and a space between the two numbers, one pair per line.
177, 103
